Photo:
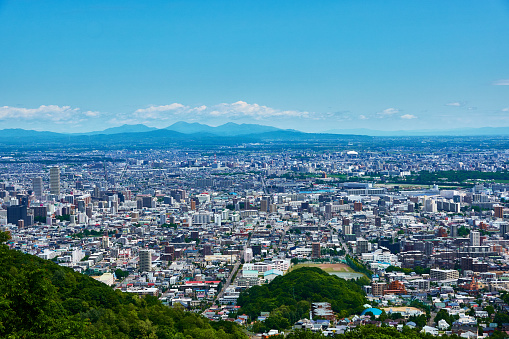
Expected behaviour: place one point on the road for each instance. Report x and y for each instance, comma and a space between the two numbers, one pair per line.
234, 270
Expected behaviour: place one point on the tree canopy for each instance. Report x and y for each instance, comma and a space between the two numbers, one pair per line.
288, 298
39, 299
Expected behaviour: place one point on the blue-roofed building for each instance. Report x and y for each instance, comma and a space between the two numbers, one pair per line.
271, 274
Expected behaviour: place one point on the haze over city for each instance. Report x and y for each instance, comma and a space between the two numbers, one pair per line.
314, 67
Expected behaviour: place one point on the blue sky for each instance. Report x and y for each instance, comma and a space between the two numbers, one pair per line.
77, 66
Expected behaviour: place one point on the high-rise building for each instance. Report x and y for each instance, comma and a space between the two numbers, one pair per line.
264, 205
362, 245
504, 229
248, 255
357, 206
475, 238
499, 211
54, 180
207, 249
315, 250
454, 231
378, 288
20, 212
37, 187
438, 274
145, 261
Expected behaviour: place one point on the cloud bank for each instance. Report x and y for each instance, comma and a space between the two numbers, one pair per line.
239, 109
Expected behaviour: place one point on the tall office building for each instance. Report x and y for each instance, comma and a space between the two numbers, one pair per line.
499, 211
504, 229
145, 261
475, 238
37, 187
454, 231
20, 212
264, 205
315, 250
54, 180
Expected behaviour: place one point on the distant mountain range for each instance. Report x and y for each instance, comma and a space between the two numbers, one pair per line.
124, 129
180, 132
228, 129
233, 129
200, 134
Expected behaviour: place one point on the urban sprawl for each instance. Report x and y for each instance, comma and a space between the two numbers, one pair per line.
196, 228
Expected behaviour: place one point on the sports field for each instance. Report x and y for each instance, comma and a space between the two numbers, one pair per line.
329, 268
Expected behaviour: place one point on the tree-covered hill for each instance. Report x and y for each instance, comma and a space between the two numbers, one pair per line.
288, 298
39, 299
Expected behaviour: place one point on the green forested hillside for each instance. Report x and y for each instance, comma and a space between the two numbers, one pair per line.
39, 299
288, 298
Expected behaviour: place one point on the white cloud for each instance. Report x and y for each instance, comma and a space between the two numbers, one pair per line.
501, 82
389, 111
243, 109
408, 116
237, 109
91, 114
363, 117
163, 108
50, 112
455, 104
505, 109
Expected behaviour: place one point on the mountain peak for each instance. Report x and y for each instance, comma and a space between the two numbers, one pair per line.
227, 129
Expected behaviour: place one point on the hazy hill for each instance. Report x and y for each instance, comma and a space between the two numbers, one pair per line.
228, 129
183, 133
124, 129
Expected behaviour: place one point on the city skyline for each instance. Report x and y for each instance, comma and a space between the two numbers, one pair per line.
349, 65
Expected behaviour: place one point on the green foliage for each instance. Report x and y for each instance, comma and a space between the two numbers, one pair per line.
499, 335
121, 274
288, 298
65, 217
428, 178
463, 231
40, 219
39, 299
357, 266
443, 314
501, 318
4, 237
169, 225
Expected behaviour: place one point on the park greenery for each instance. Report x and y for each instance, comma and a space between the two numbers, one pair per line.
288, 298
40, 299
452, 178
358, 266
463, 231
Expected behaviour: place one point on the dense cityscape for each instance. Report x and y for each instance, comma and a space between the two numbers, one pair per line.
422, 231
254, 169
